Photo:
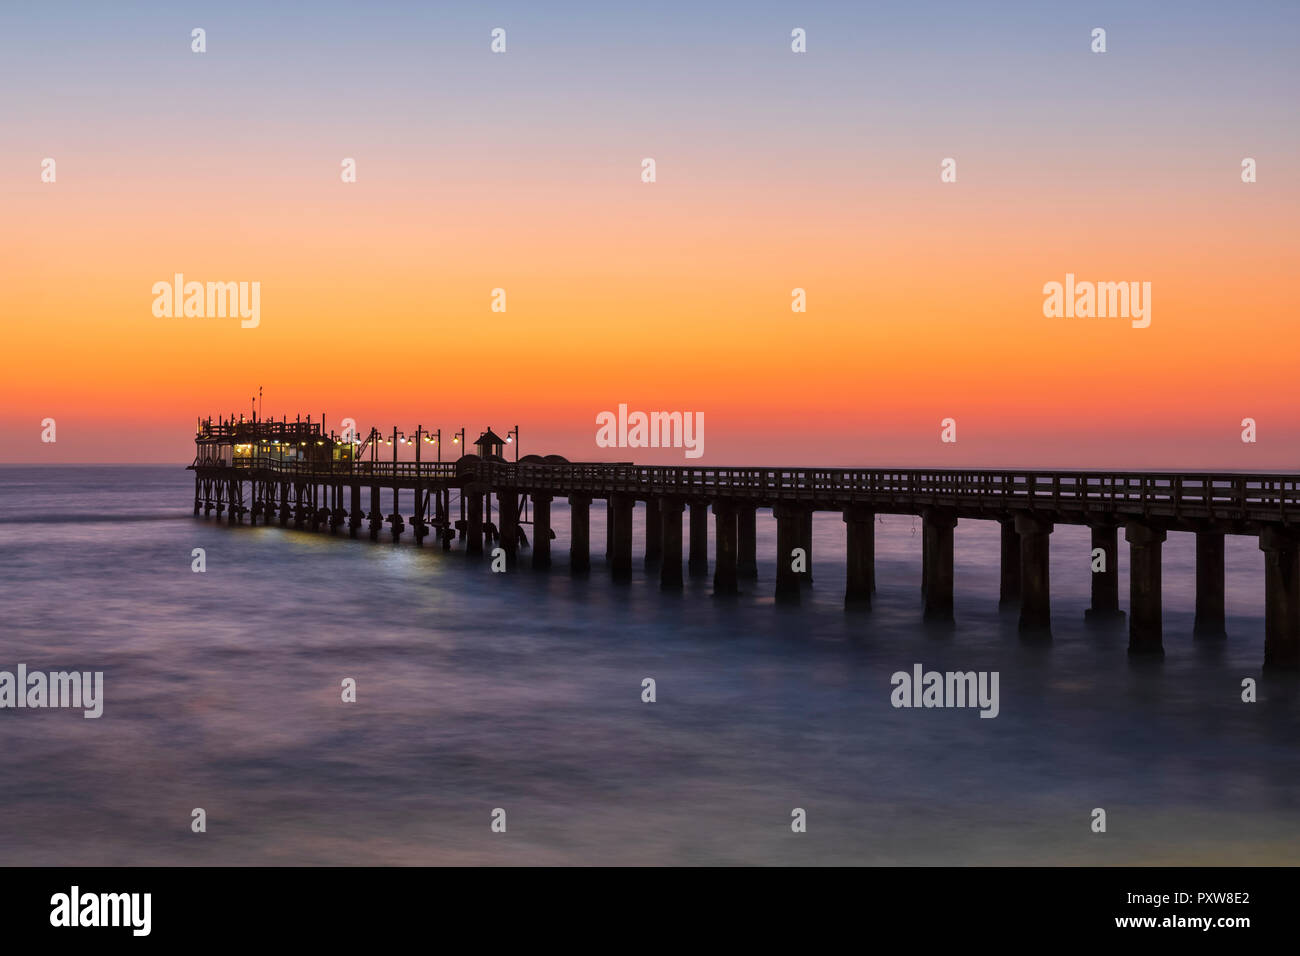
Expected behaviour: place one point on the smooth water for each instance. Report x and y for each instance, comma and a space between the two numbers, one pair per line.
523, 691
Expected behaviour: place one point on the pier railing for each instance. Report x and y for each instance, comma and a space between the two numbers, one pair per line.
1190, 495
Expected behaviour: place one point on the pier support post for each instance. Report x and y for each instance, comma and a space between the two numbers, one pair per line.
322, 515
232, 494
418, 527
579, 534
1144, 622
806, 542
860, 527
445, 531
1105, 583
376, 518
925, 559
654, 532
1281, 547
747, 542
699, 558
508, 525
541, 532
1009, 590
937, 526
1035, 575
474, 523
609, 529
336, 518
789, 536
354, 513
620, 509
1209, 585
395, 522
724, 568
670, 568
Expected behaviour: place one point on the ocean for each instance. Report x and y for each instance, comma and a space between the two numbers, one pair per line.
522, 692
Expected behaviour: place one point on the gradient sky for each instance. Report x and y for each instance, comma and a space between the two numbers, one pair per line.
775, 170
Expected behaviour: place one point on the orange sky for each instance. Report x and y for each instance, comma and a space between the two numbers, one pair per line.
923, 303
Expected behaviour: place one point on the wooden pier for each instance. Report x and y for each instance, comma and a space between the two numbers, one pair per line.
297, 474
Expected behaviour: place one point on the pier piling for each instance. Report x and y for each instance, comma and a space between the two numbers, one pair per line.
1145, 627
747, 542
789, 536
474, 523
654, 544
670, 568
1209, 620
860, 556
541, 532
1035, 575
508, 513
1009, 579
620, 509
579, 534
1281, 547
699, 557
938, 526
724, 569
1105, 583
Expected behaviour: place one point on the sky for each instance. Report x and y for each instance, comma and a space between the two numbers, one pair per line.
775, 170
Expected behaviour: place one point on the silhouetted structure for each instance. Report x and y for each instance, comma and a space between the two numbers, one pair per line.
297, 473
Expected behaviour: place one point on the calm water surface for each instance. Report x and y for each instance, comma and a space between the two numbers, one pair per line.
522, 691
